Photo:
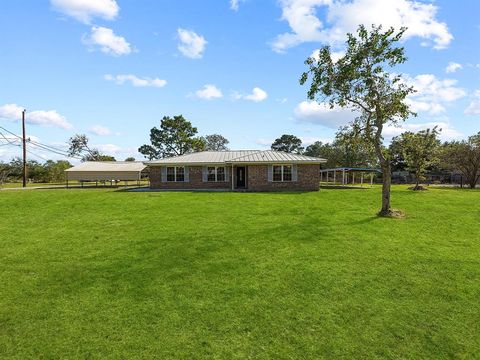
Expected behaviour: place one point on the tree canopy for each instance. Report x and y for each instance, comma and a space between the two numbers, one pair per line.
288, 143
463, 156
215, 142
360, 81
419, 151
79, 146
176, 136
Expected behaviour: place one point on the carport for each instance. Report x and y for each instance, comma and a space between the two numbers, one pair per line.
105, 171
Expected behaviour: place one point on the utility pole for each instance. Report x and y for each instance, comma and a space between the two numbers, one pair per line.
24, 142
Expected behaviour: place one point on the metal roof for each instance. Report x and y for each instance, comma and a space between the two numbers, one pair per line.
351, 169
238, 156
108, 166
270, 156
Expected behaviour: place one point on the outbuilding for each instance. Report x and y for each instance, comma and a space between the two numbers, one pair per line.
105, 171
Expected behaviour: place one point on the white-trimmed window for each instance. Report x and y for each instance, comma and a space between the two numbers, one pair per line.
216, 173
282, 172
175, 173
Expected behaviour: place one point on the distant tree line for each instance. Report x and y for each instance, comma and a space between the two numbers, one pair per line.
49, 172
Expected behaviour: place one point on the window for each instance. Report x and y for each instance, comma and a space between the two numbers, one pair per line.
212, 173
175, 173
215, 173
221, 174
282, 172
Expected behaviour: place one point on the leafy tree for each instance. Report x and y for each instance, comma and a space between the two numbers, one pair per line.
288, 143
78, 146
419, 151
215, 142
360, 81
464, 156
353, 150
130, 158
176, 136
55, 170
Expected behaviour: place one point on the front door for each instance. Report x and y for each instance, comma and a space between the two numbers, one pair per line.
240, 176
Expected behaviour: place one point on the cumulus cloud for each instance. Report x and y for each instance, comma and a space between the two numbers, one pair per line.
109, 149
256, 95
100, 130
86, 10
474, 106
322, 114
108, 41
191, 44
234, 4
209, 92
432, 93
448, 131
453, 67
342, 17
135, 80
13, 112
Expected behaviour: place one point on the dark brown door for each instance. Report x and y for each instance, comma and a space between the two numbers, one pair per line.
241, 182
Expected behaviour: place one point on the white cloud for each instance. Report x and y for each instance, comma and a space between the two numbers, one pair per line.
282, 100
474, 106
100, 130
345, 16
38, 117
234, 4
453, 67
257, 95
135, 80
209, 92
448, 131
108, 41
432, 93
335, 55
322, 114
191, 44
86, 10
109, 149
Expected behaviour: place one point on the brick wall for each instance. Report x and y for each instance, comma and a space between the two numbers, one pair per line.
257, 180
195, 182
308, 179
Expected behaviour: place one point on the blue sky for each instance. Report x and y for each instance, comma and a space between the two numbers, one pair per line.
113, 68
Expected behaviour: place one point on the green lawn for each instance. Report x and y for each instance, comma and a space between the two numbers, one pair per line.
111, 274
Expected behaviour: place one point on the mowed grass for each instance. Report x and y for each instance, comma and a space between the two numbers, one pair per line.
111, 274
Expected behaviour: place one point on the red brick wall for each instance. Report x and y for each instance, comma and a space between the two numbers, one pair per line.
308, 179
257, 180
195, 182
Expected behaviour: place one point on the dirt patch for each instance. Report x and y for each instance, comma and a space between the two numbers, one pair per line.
418, 188
392, 213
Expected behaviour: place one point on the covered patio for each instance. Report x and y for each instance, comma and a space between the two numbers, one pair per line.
346, 176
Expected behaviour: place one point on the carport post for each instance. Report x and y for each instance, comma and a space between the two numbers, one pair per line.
334, 177
371, 179
361, 179
321, 176
343, 177
353, 178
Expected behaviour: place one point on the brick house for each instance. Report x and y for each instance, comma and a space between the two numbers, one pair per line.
247, 170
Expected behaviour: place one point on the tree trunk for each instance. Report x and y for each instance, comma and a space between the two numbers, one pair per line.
386, 185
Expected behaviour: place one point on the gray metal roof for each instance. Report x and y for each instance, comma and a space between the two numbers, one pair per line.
239, 156
271, 156
108, 166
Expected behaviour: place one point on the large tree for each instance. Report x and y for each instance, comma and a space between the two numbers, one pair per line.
176, 136
215, 142
419, 151
463, 156
360, 81
288, 143
78, 145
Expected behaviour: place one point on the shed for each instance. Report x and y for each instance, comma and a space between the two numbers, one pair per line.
106, 171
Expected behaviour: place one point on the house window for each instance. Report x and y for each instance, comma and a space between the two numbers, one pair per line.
175, 173
282, 172
216, 173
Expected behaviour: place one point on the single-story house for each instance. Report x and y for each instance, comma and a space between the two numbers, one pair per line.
106, 171
251, 170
